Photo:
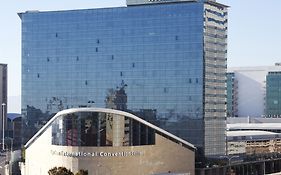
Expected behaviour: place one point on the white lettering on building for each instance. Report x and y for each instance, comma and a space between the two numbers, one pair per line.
97, 154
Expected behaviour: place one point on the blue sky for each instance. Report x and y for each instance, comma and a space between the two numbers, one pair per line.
254, 36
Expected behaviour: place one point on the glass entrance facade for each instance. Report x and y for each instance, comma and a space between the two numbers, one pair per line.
100, 129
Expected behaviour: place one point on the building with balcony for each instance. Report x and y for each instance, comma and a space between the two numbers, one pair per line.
165, 62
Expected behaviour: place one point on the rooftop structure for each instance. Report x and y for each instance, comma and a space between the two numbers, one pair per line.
252, 134
255, 126
146, 2
251, 123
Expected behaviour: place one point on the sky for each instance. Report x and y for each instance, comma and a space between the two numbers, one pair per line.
254, 33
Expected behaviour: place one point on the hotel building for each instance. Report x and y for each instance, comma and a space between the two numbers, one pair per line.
163, 61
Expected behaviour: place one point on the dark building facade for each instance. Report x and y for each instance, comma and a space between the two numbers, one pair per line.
165, 63
3, 95
273, 94
14, 124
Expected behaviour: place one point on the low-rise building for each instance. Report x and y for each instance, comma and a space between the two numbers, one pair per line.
106, 141
253, 136
253, 142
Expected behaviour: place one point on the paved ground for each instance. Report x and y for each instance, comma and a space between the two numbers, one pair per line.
2, 163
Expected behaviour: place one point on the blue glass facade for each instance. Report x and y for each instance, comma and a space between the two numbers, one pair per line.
231, 95
146, 60
273, 94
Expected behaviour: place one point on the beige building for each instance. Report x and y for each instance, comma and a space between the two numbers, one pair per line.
253, 142
106, 142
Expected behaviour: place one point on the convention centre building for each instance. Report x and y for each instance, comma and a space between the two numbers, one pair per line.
108, 142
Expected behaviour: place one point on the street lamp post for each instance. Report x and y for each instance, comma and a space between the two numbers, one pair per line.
229, 160
11, 151
3, 126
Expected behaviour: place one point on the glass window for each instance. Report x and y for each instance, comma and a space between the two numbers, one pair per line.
100, 129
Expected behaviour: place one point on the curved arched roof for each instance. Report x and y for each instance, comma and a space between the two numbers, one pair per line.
109, 111
13, 116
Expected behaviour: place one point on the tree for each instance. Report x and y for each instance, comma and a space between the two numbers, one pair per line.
82, 172
59, 171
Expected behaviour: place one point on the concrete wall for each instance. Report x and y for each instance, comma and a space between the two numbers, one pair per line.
251, 92
162, 157
238, 147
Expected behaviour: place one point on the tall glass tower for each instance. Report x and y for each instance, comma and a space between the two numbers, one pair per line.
165, 63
